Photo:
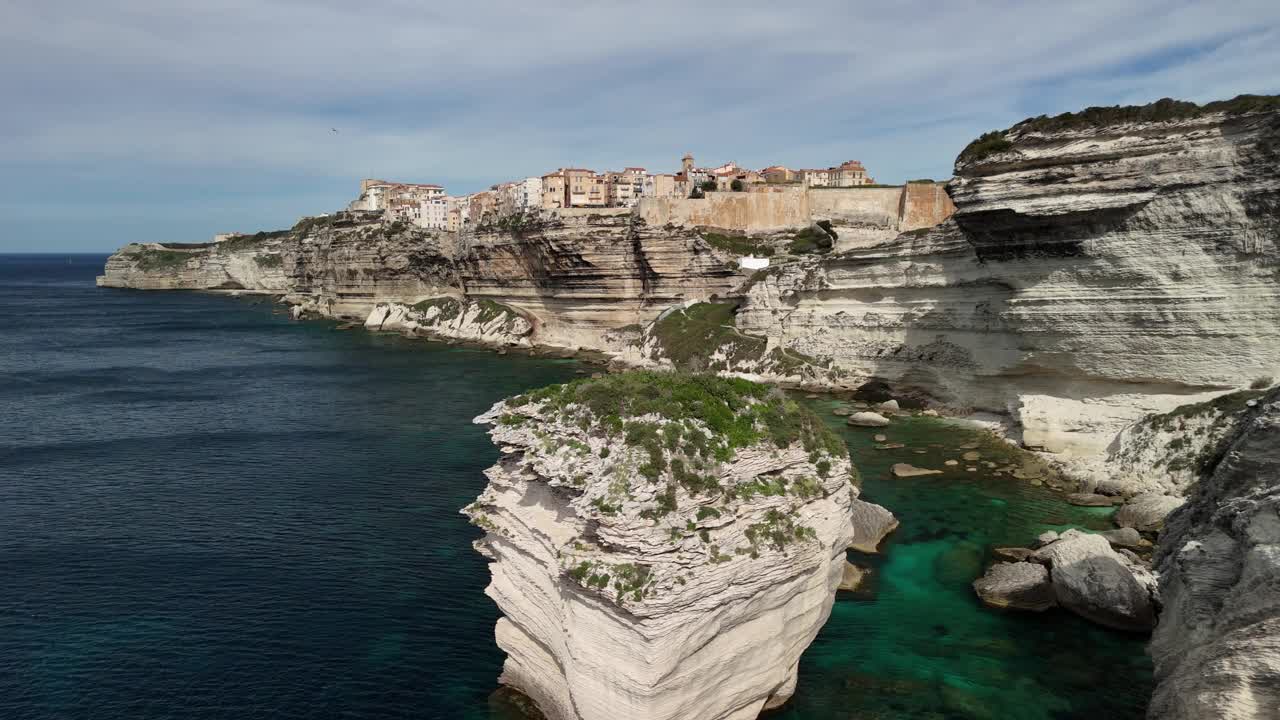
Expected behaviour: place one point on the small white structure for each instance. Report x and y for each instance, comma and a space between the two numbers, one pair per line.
749, 262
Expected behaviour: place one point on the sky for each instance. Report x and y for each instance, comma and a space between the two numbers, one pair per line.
149, 120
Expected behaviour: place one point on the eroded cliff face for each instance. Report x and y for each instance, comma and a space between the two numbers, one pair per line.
1217, 644
335, 266
583, 273
664, 546
1089, 276
573, 275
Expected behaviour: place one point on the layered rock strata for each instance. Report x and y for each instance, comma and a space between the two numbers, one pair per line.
1090, 275
1217, 646
481, 321
663, 546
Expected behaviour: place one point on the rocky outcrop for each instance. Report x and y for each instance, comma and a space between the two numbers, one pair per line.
580, 278
872, 523
1099, 584
1146, 513
1078, 571
1016, 586
1166, 452
482, 321
663, 546
1217, 646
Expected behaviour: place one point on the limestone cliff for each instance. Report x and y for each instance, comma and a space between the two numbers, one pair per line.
572, 275
482, 321
1093, 272
664, 546
1217, 645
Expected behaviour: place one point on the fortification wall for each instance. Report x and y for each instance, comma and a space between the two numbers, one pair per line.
750, 212
924, 205
859, 207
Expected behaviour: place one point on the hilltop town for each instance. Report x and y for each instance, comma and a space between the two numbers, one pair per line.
428, 206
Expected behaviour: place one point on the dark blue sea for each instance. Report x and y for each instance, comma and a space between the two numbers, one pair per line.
209, 510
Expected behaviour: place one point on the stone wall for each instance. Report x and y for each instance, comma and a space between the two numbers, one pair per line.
860, 215
754, 212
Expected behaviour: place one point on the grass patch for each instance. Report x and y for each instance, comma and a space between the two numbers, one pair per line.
737, 412
738, 244
1163, 110
244, 242
987, 144
448, 308
150, 260
268, 261
688, 337
812, 241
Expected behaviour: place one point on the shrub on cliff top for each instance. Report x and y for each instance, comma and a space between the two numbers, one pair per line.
987, 144
690, 336
149, 260
1163, 110
738, 412
737, 244
812, 240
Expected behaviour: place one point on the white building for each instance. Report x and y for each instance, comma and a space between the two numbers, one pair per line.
433, 213
529, 193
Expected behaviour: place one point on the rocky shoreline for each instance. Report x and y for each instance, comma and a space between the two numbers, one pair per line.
1109, 287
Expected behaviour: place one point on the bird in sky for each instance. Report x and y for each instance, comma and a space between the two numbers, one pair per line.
334, 129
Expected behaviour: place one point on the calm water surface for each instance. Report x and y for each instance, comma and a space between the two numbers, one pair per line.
210, 511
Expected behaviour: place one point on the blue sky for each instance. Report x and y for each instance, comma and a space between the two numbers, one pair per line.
145, 120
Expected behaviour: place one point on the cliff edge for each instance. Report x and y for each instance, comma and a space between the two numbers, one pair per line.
1217, 644
664, 545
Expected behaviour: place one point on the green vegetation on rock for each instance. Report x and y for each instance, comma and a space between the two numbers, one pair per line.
988, 143
738, 244
150, 260
447, 308
268, 261
690, 335
812, 240
1163, 110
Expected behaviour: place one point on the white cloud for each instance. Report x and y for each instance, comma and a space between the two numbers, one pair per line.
475, 93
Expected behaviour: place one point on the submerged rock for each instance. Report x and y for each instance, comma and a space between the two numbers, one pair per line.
868, 419
851, 578
904, 470
641, 575
1089, 500
1013, 554
1017, 586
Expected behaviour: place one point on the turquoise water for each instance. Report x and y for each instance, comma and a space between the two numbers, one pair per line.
210, 511
913, 642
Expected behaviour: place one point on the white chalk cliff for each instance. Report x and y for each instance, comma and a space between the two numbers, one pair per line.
1217, 644
649, 566
1091, 274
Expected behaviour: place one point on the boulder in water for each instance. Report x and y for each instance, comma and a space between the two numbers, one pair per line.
871, 523
851, 578
1017, 586
1089, 500
1093, 581
1147, 512
903, 470
867, 419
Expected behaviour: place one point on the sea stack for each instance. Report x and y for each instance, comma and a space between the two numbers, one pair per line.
663, 546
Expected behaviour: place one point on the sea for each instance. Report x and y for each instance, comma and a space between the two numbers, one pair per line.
211, 511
